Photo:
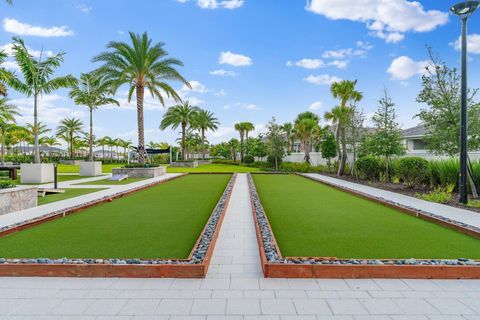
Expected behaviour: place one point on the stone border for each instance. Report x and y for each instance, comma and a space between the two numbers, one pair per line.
196, 266
274, 265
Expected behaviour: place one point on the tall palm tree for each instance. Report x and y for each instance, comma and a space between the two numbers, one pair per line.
204, 121
306, 125
69, 129
340, 117
92, 91
346, 92
125, 144
49, 141
287, 128
37, 80
248, 127
182, 115
7, 121
141, 65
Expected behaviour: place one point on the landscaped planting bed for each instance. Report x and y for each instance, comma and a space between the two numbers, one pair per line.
161, 230
309, 229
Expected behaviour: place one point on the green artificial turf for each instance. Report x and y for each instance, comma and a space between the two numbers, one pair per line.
163, 221
112, 183
69, 193
310, 219
213, 168
60, 178
70, 168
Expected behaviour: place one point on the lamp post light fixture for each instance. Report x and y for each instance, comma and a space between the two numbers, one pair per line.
464, 10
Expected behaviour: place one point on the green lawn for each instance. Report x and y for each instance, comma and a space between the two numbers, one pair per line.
163, 221
311, 219
60, 177
113, 183
70, 168
213, 168
69, 193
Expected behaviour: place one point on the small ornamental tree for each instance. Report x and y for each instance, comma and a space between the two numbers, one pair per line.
387, 139
328, 148
276, 142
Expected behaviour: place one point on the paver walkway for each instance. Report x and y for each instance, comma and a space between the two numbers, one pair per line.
461, 215
234, 289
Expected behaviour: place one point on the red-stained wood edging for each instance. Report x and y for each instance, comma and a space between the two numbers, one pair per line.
352, 271
122, 271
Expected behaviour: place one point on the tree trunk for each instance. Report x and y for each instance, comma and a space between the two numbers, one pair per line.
90, 140
3, 146
203, 144
36, 157
241, 147
343, 160
184, 148
306, 148
103, 152
141, 131
337, 140
71, 147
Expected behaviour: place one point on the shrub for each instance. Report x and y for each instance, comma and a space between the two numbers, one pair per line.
413, 171
259, 164
6, 184
368, 168
140, 165
271, 161
248, 159
226, 161
439, 195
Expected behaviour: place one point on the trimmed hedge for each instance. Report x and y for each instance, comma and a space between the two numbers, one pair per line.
413, 171
248, 159
368, 168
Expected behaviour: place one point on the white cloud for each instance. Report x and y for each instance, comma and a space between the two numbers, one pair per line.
196, 86
234, 59
83, 7
215, 4
24, 29
8, 49
51, 109
316, 105
220, 93
307, 63
323, 79
340, 64
226, 107
473, 43
403, 68
223, 73
249, 106
387, 19
10, 65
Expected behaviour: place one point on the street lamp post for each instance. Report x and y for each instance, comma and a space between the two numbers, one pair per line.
464, 10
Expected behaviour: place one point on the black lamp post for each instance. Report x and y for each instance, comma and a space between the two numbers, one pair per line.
464, 10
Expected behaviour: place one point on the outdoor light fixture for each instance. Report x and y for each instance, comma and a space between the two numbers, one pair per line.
464, 10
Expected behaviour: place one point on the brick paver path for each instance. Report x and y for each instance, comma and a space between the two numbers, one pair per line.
235, 289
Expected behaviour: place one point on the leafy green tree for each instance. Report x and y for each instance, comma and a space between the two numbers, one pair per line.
69, 130
288, 130
356, 131
441, 118
182, 115
205, 120
7, 121
233, 145
276, 143
4, 75
306, 127
387, 139
141, 65
328, 148
37, 80
92, 91
243, 129
347, 93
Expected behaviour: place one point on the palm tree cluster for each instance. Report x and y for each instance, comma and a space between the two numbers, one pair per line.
194, 123
243, 128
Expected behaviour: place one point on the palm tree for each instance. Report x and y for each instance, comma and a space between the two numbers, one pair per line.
240, 127
233, 146
4, 75
69, 129
49, 141
205, 121
141, 65
306, 125
102, 142
287, 128
109, 142
125, 144
91, 91
345, 91
182, 115
340, 117
7, 121
37, 80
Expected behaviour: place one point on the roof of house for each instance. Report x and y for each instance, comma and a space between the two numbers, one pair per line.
416, 131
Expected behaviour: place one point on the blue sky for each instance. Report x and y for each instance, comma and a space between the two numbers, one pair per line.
248, 60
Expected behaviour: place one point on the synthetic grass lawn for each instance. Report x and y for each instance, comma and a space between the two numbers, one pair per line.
213, 168
310, 219
112, 183
163, 221
69, 193
60, 177
70, 168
